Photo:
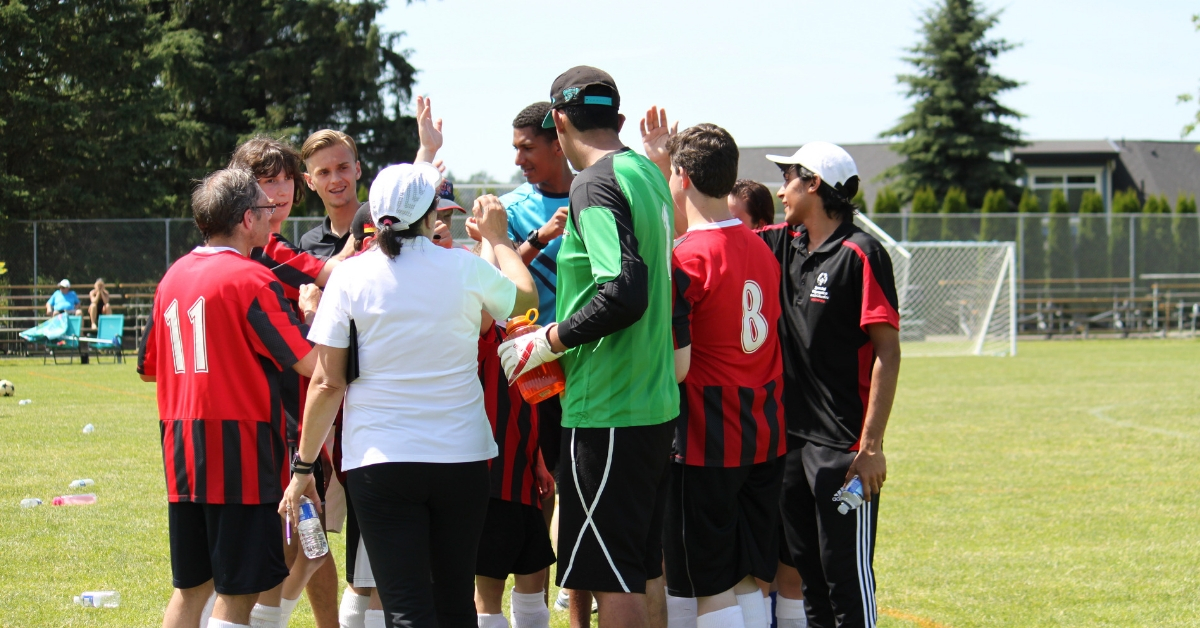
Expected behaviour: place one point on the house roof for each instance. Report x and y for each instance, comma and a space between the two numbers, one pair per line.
1152, 167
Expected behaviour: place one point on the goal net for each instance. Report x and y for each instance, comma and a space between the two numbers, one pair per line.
956, 298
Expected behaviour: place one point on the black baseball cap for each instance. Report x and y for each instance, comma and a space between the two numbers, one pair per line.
582, 85
363, 226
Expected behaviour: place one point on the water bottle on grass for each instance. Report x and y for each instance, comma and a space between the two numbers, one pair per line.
312, 533
99, 599
86, 499
31, 502
81, 483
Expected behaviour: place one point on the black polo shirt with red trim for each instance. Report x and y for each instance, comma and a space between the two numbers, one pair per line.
828, 299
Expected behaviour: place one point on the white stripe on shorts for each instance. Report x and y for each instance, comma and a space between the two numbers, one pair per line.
588, 510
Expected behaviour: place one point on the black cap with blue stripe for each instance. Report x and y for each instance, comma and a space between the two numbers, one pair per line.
582, 85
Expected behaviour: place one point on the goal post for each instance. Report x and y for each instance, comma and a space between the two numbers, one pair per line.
956, 298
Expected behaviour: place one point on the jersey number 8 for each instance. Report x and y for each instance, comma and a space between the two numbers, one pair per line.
754, 325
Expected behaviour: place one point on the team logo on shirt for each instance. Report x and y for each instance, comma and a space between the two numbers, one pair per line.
820, 293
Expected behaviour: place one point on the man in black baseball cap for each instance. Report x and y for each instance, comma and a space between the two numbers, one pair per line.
582, 85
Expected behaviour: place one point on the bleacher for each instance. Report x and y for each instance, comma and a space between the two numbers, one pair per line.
1155, 306
22, 307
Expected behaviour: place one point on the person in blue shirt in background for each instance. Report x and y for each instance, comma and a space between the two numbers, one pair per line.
63, 300
537, 215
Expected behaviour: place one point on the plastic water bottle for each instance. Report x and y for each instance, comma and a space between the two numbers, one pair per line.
24, 402
74, 500
98, 599
81, 483
89, 428
312, 533
850, 495
31, 502
542, 382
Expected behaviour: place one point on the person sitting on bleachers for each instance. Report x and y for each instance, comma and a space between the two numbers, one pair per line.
101, 303
63, 300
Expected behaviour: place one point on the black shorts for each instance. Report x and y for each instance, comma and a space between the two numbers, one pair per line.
550, 432
722, 524
611, 500
358, 565
515, 540
238, 547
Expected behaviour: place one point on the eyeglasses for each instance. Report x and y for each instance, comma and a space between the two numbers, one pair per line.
270, 209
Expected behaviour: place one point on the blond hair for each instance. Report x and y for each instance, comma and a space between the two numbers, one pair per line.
324, 139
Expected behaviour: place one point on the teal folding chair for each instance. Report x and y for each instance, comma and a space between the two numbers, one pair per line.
110, 328
68, 343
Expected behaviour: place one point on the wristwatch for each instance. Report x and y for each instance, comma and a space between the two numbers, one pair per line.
533, 240
300, 467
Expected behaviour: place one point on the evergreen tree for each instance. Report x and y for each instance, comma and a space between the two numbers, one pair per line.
957, 125
286, 68
887, 212
1124, 202
922, 224
995, 229
1060, 253
1033, 241
79, 126
1154, 247
954, 226
1186, 233
1093, 237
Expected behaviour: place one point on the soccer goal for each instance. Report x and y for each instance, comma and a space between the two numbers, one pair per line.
956, 298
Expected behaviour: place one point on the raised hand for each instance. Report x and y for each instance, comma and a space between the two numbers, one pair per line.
429, 130
655, 135
491, 218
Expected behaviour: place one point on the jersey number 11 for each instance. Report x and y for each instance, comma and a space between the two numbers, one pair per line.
200, 348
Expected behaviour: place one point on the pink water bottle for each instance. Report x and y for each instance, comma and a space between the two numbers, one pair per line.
74, 500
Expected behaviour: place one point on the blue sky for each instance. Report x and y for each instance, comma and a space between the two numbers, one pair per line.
783, 73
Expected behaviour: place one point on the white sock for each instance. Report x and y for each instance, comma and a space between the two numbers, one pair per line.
492, 621
208, 609
374, 619
754, 614
725, 618
213, 622
768, 608
286, 607
790, 613
264, 616
681, 612
529, 610
352, 612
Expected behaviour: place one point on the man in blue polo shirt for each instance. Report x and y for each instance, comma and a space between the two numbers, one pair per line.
63, 300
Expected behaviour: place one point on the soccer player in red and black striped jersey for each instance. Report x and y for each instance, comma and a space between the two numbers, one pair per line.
515, 537
722, 517
220, 336
841, 352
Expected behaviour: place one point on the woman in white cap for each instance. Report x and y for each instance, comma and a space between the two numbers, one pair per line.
416, 439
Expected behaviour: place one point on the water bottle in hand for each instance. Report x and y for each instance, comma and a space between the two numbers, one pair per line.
850, 495
312, 533
81, 483
99, 599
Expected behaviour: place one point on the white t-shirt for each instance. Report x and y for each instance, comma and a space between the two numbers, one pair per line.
417, 397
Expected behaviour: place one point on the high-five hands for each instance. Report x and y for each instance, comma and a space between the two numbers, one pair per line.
428, 129
654, 138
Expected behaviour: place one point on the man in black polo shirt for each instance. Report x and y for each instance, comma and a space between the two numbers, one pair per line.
841, 355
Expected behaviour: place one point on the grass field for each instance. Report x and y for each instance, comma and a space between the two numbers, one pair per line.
1056, 488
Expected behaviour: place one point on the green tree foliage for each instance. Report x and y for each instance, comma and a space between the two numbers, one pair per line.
113, 107
860, 202
1124, 202
1060, 253
286, 68
1155, 245
80, 124
994, 229
1186, 234
957, 125
922, 224
954, 227
886, 201
1033, 241
1093, 237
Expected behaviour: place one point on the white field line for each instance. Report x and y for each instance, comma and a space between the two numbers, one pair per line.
1101, 414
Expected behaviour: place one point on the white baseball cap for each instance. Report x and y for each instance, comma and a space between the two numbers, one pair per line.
829, 161
64, 284
403, 193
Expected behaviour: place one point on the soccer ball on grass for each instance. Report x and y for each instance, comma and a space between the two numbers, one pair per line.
6, 388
